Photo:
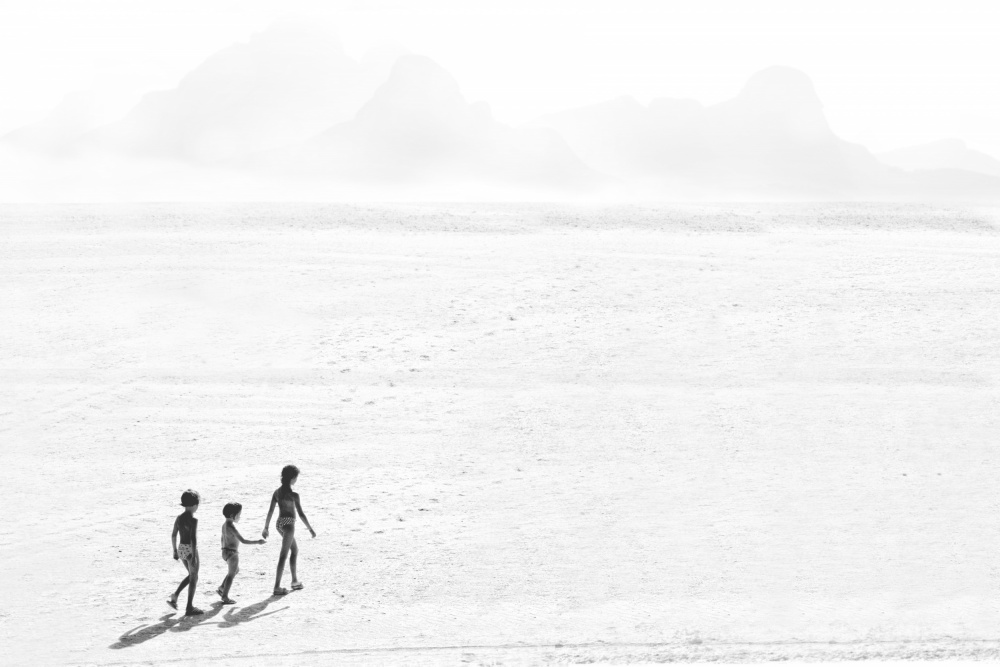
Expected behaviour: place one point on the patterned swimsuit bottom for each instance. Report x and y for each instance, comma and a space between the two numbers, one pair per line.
283, 524
185, 551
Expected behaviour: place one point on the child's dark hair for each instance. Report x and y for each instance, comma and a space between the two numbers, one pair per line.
231, 510
288, 473
190, 498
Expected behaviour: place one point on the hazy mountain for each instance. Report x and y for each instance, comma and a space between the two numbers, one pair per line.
74, 116
287, 83
418, 128
773, 137
943, 154
310, 121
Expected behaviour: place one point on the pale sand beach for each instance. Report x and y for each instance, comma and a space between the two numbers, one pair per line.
527, 434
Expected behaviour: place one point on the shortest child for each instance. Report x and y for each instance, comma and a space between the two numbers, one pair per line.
231, 539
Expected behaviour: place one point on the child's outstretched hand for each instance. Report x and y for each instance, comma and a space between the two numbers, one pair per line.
261, 541
264, 533
313, 532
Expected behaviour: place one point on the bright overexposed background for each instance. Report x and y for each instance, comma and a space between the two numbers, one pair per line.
890, 73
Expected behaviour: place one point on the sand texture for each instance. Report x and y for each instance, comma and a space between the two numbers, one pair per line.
526, 433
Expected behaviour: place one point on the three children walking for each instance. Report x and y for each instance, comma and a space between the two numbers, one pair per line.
186, 527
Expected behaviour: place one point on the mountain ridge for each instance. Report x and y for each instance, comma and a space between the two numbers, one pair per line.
418, 128
942, 154
281, 86
290, 104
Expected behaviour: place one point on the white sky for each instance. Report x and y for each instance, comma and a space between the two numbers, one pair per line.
889, 73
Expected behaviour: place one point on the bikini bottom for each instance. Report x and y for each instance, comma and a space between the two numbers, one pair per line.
283, 524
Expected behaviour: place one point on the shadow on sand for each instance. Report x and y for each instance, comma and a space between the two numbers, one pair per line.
251, 612
171, 621
175, 623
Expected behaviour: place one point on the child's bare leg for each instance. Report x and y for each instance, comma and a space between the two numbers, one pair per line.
234, 568
191, 586
286, 543
221, 590
184, 583
293, 557
226, 583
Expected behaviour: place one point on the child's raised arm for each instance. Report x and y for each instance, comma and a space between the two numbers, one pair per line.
298, 508
270, 511
173, 536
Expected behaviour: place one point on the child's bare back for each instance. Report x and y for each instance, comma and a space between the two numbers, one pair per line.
187, 527
286, 502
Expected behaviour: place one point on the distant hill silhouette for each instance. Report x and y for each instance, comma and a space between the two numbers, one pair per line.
289, 112
771, 139
943, 154
774, 134
418, 128
287, 83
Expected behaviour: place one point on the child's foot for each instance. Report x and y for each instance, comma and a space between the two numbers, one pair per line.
193, 611
172, 602
228, 601
281, 591
297, 586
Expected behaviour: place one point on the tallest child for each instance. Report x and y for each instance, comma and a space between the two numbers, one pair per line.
288, 506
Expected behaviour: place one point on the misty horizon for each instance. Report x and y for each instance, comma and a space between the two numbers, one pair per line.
288, 114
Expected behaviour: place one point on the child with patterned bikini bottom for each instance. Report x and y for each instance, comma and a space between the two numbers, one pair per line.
187, 551
288, 505
231, 539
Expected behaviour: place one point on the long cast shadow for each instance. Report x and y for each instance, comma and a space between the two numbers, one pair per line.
188, 622
171, 621
144, 633
251, 612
